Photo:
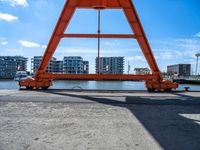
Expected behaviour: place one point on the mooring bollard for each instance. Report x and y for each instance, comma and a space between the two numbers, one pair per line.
186, 89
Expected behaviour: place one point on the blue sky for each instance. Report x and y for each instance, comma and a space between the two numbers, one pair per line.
172, 28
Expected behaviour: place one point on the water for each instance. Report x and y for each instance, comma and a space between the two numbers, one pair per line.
106, 85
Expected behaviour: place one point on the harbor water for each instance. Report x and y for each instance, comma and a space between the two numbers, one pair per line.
94, 85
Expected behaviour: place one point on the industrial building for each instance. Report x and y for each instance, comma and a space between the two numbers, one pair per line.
9, 65
75, 65
179, 70
142, 71
110, 65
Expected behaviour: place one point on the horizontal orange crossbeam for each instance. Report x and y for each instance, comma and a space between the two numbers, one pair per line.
114, 4
98, 36
116, 77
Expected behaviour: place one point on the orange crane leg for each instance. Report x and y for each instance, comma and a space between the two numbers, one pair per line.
44, 80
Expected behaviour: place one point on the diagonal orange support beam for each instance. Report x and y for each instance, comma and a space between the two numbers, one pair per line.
136, 26
63, 22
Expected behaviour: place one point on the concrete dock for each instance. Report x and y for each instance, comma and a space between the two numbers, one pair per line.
99, 120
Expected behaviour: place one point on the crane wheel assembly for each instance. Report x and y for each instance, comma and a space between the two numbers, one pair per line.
43, 79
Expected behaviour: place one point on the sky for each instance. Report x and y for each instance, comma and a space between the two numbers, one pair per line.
172, 28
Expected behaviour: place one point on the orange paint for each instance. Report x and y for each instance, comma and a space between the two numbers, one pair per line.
154, 81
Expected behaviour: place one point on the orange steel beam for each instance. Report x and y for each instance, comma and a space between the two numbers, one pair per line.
119, 77
132, 18
134, 21
154, 81
63, 22
108, 4
98, 36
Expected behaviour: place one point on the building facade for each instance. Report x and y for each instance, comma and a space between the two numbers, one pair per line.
142, 71
110, 65
179, 70
59, 66
69, 65
9, 65
75, 65
54, 65
85, 67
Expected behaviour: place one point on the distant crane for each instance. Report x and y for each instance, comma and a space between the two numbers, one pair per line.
197, 55
129, 67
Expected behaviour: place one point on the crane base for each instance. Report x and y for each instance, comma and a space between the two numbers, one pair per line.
165, 85
151, 85
32, 83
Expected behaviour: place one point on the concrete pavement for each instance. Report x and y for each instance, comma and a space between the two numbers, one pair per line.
107, 120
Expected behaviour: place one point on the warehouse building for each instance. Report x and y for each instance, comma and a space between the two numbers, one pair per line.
179, 70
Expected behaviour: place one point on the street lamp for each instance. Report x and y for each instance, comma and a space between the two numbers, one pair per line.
197, 55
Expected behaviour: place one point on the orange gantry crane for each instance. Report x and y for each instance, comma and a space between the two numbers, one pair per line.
43, 79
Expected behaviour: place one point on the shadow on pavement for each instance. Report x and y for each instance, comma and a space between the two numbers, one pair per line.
164, 119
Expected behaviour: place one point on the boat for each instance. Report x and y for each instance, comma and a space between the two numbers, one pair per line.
20, 75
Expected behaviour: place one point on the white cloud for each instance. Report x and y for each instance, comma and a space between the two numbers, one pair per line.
136, 58
178, 49
109, 44
44, 46
77, 50
189, 47
7, 17
16, 51
14, 3
167, 56
28, 44
4, 43
175, 51
198, 34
